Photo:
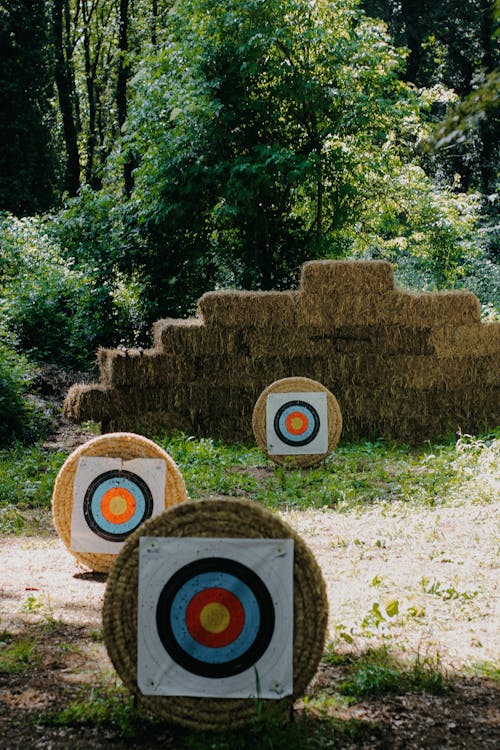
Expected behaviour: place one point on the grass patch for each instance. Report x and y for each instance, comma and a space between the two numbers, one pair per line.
114, 708
355, 475
18, 657
27, 478
102, 705
377, 673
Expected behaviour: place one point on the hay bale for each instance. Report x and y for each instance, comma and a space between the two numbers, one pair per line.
329, 279
192, 336
141, 367
83, 402
408, 309
479, 340
429, 309
324, 311
232, 308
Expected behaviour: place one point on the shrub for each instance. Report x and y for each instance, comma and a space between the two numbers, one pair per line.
19, 418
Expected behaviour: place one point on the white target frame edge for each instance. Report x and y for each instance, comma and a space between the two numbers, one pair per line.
319, 444
152, 470
158, 674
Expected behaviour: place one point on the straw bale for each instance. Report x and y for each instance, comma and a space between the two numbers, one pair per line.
323, 311
457, 307
83, 402
405, 371
135, 366
192, 336
231, 308
482, 339
339, 278
392, 403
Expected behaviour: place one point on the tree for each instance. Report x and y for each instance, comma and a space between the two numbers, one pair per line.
259, 129
27, 161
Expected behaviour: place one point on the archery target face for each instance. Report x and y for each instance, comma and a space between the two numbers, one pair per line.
297, 423
111, 498
215, 617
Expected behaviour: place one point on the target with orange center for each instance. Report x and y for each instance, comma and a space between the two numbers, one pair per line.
296, 423
116, 503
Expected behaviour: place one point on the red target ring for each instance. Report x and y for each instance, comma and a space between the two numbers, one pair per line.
215, 617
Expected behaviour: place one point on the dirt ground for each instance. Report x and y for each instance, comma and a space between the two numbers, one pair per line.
438, 565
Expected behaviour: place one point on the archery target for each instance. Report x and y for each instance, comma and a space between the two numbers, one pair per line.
112, 498
215, 617
297, 423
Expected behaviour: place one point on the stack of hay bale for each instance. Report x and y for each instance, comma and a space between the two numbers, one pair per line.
403, 365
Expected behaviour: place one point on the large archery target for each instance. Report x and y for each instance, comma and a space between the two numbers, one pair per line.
215, 616
155, 593
112, 498
106, 488
297, 421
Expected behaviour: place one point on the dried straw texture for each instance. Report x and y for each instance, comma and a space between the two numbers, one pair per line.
123, 445
347, 325
289, 385
238, 309
215, 518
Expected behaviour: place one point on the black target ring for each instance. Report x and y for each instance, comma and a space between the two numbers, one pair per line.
129, 482
310, 433
167, 613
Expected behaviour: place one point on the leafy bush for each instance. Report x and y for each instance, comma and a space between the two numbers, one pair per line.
19, 418
58, 311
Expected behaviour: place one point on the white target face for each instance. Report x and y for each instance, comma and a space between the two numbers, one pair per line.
215, 617
111, 498
297, 423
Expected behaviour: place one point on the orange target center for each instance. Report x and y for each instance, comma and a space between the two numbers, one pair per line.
296, 423
118, 505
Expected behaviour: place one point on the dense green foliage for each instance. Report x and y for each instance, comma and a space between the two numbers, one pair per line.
27, 157
20, 419
59, 312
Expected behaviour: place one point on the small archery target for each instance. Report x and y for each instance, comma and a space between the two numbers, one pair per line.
215, 617
112, 498
297, 423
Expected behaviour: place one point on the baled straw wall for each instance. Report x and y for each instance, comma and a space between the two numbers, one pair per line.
401, 364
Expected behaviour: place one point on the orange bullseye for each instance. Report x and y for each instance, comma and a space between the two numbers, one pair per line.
296, 423
118, 505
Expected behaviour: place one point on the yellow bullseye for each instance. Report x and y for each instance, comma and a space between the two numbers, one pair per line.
215, 617
297, 423
118, 505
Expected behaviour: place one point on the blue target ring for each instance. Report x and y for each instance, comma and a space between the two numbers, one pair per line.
246, 597
134, 486
310, 417
215, 574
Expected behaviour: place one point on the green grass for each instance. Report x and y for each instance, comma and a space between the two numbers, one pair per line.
27, 476
113, 708
17, 657
354, 476
376, 673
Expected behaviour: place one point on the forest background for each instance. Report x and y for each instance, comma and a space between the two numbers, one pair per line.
152, 150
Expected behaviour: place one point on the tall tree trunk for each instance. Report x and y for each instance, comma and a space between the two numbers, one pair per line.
121, 87
154, 21
489, 126
66, 94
